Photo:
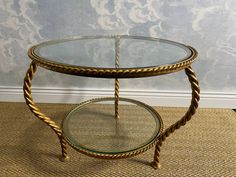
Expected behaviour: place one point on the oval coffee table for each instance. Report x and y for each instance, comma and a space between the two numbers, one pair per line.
112, 131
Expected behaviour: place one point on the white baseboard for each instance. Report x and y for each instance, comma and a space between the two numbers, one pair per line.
154, 98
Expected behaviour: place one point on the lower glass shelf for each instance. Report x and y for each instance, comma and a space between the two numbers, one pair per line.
92, 128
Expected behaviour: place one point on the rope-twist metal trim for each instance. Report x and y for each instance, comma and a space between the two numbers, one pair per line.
188, 115
29, 101
113, 73
116, 156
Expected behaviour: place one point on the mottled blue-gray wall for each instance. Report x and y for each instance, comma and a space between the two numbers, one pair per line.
208, 25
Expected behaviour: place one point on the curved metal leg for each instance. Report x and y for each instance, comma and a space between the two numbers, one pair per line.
188, 115
29, 101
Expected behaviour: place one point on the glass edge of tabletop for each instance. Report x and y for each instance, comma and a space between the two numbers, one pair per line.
103, 72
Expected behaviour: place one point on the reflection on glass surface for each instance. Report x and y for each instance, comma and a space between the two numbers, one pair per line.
100, 52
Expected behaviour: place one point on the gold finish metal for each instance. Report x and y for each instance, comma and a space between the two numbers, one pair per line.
115, 73
117, 85
29, 101
191, 111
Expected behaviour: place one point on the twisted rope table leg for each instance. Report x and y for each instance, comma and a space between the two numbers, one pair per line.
188, 115
117, 98
29, 101
117, 56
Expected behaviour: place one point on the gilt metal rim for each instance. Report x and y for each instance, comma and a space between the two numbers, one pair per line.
112, 72
116, 155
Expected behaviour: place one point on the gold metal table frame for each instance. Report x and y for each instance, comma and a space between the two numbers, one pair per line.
116, 73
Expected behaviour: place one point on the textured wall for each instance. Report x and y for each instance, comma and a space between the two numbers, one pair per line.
208, 25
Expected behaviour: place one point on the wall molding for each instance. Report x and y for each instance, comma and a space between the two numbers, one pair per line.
154, 98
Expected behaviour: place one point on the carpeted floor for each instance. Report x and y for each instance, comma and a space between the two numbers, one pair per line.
206, 146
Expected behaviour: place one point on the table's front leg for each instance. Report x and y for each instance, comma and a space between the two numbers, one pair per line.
29, 101
191, 111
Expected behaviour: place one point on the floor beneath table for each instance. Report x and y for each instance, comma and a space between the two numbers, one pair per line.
204, 147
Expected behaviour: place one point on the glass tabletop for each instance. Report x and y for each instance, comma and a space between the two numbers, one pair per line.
112, 52
94, 128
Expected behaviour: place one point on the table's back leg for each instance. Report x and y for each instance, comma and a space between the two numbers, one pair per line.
29, 101
116, 98
188, 115
117, 57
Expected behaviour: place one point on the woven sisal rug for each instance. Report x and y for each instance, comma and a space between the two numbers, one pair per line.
206, 146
